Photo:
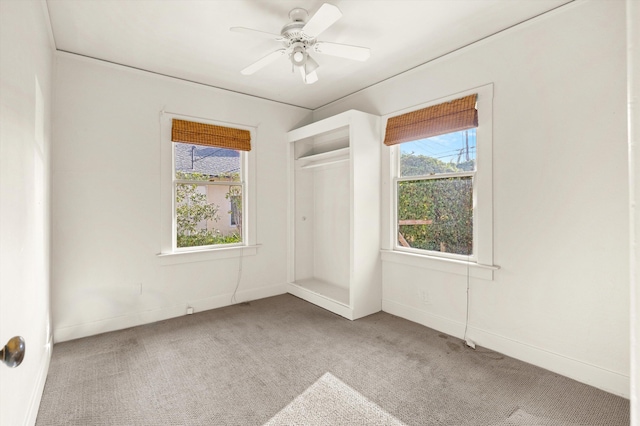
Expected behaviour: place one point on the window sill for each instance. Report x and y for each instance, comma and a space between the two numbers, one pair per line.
452, 266
175, 258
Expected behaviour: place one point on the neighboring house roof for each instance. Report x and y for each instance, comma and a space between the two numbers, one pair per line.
210, 161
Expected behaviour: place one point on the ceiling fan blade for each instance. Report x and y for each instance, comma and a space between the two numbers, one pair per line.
356, 53
261, 63
326, 16
311, 65
257, 33
310, 78
308, 70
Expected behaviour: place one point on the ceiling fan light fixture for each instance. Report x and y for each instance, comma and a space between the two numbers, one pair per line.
298, 57
298, 54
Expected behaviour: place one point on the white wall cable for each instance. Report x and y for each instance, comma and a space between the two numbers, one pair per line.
233, 296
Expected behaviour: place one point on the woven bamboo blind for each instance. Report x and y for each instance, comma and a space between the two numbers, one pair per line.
210, 135
448, 117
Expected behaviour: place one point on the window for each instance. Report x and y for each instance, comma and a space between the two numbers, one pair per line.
440, 167
435, 193
208, 195
208, 189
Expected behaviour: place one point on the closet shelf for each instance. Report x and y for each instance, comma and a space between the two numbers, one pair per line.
324, 163
324, 158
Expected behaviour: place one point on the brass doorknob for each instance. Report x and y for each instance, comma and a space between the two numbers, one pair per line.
13, 352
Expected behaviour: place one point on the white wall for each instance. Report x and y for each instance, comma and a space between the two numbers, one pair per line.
107, 197
561, 228
25, 111
633, 96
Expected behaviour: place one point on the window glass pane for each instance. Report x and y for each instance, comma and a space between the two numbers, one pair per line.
201, 218
436, 215
453, 152
207, 214
197, 162
235, 209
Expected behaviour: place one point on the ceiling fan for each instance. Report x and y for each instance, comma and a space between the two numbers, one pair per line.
299, 37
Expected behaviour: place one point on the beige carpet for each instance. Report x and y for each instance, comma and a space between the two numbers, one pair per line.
331, 402
522, 418
241, 365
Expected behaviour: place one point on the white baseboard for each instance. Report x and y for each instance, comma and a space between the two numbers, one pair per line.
445, 325
580, 371
63, 334
320, 300
36, 396
242, 296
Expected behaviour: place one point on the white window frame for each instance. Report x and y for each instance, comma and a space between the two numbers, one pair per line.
482, 256
169, 248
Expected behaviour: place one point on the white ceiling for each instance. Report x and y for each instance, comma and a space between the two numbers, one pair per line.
190, 39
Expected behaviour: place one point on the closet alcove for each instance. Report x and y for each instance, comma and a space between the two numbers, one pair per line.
334, 212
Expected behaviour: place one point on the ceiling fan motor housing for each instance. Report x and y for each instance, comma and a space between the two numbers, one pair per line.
293, 33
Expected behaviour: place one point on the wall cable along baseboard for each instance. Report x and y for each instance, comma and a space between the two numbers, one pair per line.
235, 290
468, 342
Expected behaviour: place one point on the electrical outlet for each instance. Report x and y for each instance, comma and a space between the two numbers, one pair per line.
424, 297
137, 289
189, 310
